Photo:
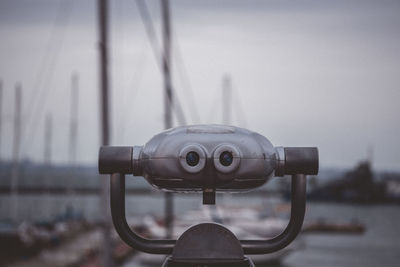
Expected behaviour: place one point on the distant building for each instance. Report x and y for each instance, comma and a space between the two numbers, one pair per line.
357, 185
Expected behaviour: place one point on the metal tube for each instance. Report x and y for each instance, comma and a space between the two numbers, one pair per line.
122, 227
301, 160
293, 228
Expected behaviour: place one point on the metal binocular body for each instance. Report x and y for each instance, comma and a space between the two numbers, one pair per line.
208, 158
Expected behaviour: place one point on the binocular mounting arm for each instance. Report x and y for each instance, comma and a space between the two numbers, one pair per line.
163, 246
117, 199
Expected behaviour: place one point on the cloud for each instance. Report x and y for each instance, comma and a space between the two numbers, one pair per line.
320, 73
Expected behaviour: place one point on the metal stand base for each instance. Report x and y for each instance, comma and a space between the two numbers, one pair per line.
208, 245
246, 262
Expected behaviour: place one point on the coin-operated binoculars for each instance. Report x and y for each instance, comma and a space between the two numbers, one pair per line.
208, 158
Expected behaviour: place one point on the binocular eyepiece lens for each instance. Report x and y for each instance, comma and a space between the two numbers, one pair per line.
226, 158
192, 158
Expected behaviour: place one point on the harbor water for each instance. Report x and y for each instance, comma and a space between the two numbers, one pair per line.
379, 245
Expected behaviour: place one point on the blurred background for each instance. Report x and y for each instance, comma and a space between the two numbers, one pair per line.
301, 73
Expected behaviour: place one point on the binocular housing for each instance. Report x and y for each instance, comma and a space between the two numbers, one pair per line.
208, 157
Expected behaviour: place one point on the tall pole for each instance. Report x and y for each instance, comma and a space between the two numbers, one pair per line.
105, 123
226, 99
46, 176
47, 139
1, 114
16, 151
73, 129
166, 33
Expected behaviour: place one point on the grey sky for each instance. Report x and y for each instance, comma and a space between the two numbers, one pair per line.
322, 73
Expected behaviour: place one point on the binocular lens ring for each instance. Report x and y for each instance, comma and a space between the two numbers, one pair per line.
226, 158
192, 158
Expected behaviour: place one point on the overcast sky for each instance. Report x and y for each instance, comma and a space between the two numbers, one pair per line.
304, 73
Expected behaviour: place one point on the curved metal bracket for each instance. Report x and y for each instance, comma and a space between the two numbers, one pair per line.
117, 198
297, 211
162, 246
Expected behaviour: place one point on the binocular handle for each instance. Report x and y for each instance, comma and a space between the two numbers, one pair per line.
117, 199
297, 211
165, 246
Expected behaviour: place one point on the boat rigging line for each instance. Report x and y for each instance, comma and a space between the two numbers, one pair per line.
45, 73
152, 37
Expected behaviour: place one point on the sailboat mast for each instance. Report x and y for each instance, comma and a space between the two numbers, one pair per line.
105, 124
226, 99
166, 62
1, 110
47, 139
16, 151
73, 128
166, 33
